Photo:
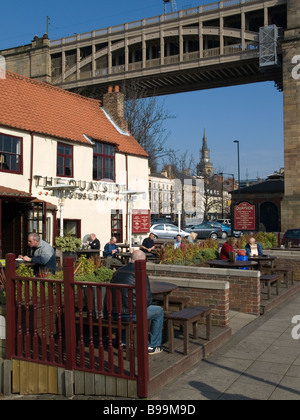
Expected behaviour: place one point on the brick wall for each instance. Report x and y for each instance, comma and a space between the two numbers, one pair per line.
214, 294
244, 292
288, 259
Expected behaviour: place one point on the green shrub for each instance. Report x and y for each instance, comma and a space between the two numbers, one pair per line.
190, 254
103, 274
67, 243
24, 271
100, 275
266, 240
85, 266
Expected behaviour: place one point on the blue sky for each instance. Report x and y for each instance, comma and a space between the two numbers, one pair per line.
252, 114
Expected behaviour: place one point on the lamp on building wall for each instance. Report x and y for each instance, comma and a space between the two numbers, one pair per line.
60, 191
131, 195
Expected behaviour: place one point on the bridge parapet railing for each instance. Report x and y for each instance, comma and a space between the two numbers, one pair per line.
150, 21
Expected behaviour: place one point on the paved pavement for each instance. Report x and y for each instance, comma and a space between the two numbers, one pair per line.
260, 362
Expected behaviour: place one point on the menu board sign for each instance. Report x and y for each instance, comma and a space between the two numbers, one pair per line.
140, 221
244, 216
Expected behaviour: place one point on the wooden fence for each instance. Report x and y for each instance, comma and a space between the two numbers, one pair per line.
71, 324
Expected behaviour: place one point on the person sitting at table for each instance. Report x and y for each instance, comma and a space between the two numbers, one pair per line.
227, 248
42, 254
155, 314
148, 245
192, 238
253, 249
110, 254
178, 243
94, 243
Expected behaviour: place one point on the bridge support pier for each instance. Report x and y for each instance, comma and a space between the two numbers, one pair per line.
290, 207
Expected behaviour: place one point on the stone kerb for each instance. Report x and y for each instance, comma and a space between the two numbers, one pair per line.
243, 293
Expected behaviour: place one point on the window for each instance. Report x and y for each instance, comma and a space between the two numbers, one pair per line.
117, 225
64, 160
104, 162
72, 227
10, 154
36, 219
172, 228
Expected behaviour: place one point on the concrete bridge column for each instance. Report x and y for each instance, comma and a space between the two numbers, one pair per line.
290, 209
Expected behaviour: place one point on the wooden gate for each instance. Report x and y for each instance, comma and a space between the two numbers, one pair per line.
61, 328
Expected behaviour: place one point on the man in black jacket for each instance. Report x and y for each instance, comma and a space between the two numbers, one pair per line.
94, 242
155, 314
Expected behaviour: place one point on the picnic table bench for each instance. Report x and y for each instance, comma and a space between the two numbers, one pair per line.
270, 279
187, 317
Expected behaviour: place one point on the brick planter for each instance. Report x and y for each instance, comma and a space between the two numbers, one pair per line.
243, 295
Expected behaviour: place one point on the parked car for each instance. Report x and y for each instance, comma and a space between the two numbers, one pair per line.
206, 230
155, 221
224, 221
167, 231
291, 235
227, 230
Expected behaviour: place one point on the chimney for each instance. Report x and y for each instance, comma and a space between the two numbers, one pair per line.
113, 103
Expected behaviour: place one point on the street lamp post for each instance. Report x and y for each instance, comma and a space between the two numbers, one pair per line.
238, 153
222, 179
59, 191
130, 198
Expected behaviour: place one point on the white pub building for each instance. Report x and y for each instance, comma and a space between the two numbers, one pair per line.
49, 137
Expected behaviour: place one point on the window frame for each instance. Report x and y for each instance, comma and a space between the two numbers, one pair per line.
117, 217
104, 156
65, 156
9, 171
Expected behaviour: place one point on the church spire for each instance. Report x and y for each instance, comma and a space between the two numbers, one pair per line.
205, 167
204, 141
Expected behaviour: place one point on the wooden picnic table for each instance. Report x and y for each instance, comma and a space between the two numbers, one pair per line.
125, 256
88, 252
263, 259
163, 288
230, 264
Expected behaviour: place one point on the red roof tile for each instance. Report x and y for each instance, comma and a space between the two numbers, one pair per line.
38, 107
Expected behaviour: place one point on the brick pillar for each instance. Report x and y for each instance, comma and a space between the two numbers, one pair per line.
290, 209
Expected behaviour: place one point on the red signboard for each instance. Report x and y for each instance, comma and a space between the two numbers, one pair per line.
140, 221
244, 216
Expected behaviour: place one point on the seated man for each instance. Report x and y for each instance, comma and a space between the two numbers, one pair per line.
148, 245
155, 314
42, 254
110, 254
94, 243
253, 249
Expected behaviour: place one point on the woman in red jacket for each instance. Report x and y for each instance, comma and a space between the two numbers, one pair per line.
227, 247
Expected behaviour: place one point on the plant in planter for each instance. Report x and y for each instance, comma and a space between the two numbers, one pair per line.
189, 254
68, 245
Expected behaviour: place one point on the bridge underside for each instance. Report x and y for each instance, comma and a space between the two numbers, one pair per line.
171, 81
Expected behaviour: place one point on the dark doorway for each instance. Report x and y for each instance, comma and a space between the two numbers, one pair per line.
14, 228
269, 217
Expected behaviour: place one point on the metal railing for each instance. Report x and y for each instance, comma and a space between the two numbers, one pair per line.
150, 21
